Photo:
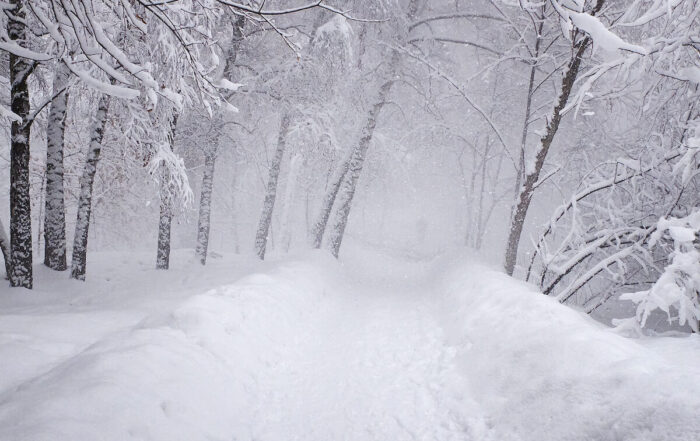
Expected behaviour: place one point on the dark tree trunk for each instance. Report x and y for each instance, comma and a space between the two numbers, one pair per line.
205, 207
82, 224
531, 177
271, 194
165, 219
54, 210
20, 202
528, 110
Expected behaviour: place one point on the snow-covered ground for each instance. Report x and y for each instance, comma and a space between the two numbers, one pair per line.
374, 348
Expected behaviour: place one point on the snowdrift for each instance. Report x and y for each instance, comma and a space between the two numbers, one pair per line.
192, 373
375, 348
543, 371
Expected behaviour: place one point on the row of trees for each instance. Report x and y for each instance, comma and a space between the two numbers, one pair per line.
240, 103
145, 64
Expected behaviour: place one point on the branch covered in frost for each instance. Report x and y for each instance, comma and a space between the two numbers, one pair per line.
677, 289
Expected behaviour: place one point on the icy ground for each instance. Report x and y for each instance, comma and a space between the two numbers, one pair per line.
374, 348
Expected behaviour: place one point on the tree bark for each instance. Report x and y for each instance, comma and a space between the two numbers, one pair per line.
82, 224
528, 110
271, 194
203, 225
356, 162
319, 227
532, 176
346, 192
165, 219
210, 152
55, 210
20, 202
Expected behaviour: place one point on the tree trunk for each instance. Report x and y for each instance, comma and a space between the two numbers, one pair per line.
356, 162
532, 176
20, 202
210, 152
82, 224
205, 207
346, 192
165, 218
528, 110
319, 227
55, 210
269, 204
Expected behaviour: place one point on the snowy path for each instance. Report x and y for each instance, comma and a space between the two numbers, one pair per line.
373, 366
294, 358
381, 349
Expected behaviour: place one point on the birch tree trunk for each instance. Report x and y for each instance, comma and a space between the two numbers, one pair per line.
203, 224
271, 194
54, 209
210, 152
165, 219
20, 202
82, 224
346, 192
532, 176
319, 227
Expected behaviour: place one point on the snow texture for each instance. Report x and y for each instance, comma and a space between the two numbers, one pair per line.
601, 35
676, 291
376, 348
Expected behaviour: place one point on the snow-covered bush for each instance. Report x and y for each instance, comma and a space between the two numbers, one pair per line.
676, 291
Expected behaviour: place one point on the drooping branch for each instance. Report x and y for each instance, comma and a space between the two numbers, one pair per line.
592, 189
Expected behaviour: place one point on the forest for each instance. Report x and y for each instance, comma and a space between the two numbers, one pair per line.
149, 143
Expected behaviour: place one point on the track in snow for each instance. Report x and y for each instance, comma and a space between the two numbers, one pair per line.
372, 366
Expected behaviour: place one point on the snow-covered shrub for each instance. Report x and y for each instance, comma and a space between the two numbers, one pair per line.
676, 291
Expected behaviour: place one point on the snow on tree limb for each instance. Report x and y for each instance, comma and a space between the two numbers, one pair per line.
603, 37
677, 289
23, 52
178, 181
657, 10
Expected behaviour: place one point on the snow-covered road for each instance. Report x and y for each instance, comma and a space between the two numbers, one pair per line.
379, 348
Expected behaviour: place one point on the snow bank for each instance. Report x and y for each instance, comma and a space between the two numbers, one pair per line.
191, 373
543, 371
374, 348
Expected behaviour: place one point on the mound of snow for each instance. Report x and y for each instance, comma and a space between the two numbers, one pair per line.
193, 373
374, 348
543, 371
